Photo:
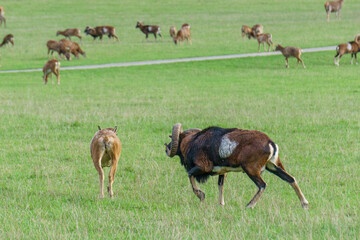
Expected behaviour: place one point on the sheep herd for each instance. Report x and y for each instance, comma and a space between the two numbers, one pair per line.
352, 47
257, 32
66, 47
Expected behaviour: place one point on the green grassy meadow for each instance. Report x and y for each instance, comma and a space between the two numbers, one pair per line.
49, 186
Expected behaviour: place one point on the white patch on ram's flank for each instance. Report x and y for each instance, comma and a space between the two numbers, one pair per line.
274, 154
105, 30
149, 28
219, 170
349, 46
271, 152
226, 147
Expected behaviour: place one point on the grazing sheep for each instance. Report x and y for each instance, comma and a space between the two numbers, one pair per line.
100, 31
172, 31
333, 6
265, 38
67, 33
56, 46
147, 29
73, 46
217, 151
246, 31
251, 32
9, 38
182, 34
257, 29
290, 52
350, 47
105, 151
52, 66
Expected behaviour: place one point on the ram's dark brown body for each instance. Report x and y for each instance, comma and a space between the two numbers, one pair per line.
202, 149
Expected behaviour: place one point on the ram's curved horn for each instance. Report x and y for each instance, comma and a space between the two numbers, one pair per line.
172, 147
357, 38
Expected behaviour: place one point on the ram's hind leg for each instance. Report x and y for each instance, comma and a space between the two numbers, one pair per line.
281, 173
260, 183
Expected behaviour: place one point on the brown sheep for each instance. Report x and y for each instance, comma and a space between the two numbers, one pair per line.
290, 52
52, 66
147, 29
67, 33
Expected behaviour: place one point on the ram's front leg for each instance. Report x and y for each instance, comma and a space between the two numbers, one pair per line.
221, 189
192, 173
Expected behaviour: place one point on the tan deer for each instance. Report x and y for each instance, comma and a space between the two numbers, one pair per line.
105, 151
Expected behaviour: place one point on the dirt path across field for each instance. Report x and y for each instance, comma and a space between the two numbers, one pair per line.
151, 62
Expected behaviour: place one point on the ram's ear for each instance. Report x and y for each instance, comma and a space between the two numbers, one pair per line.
99, 128
115, 129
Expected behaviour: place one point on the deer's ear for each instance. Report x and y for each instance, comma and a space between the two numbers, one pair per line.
99, 127
115, 129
